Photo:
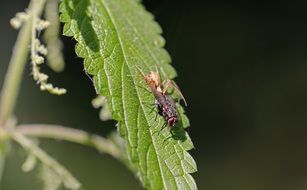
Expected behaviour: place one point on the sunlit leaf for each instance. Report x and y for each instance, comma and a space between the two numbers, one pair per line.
115, 37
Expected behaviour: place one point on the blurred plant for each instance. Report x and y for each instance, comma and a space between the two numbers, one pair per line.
114, 37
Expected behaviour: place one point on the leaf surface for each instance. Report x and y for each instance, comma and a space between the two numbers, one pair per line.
115, 37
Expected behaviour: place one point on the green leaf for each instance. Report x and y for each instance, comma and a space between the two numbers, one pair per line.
115, 37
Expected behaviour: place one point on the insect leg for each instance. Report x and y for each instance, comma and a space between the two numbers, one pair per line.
167, 138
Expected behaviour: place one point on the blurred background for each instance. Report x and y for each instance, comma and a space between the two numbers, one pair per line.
243, 69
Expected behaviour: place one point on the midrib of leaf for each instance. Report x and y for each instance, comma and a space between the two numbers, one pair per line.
161, 165
141, 39
141, 105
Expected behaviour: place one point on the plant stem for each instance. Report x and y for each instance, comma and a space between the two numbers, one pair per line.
13, 77
51, 36
17, 64
69, 181
71, 135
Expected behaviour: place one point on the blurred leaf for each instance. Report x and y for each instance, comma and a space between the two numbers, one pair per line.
114, 38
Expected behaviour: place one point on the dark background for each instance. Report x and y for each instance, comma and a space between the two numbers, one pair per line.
243, 69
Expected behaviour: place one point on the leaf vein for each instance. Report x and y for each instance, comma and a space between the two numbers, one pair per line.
124, 54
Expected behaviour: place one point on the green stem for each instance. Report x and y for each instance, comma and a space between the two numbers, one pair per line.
71, 135
68, 180
17, 64
99, 143
51, 37
13, 77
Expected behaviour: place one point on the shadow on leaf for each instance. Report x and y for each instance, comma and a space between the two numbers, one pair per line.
178, 132
84, 24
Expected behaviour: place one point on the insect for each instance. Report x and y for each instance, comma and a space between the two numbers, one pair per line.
164, 102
